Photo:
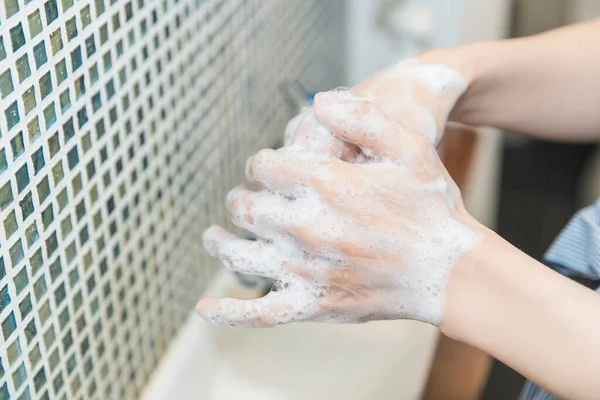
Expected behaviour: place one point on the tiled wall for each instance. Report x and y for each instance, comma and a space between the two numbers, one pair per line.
122, 125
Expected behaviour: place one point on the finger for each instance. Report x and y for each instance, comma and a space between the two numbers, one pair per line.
287, 171
276, 308
305, 131
245, 256
360, 122
263, 213
214, 237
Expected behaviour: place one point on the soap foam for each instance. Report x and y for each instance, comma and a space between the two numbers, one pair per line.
383, 248
398, 91
353, 243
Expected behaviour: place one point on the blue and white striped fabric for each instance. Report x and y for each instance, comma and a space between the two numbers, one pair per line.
575, 253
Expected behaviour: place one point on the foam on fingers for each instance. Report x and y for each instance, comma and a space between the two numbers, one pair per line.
352, 242
214, 237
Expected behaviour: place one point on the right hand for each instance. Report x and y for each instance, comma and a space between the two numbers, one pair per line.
346, 242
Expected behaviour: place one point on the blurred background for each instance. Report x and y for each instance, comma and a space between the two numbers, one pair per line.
123, 125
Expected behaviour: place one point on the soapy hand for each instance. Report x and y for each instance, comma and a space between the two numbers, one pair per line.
417, 96
346, 242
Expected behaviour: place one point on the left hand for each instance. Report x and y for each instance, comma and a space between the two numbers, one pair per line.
416, 95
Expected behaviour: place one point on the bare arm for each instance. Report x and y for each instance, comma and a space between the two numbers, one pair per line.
546, 85
533, 319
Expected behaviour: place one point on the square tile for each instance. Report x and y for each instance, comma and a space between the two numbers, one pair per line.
39, 54
4, 298
22, 178
65, 101
17, 37
32, 235
6, 196
23, 69
56, 41
33, 128
29, 101
26, 206
6, 83
19, 376
21, 280
46, 85
71, 28
10, 224
90, 46
3, 160
50, 115
12, 115
43, 189
11, 7
2, 49
100, 8
76, 59
35, 355
8, 327
51, 8
38, 160
61, 71
17, 145
35, 23
86, 17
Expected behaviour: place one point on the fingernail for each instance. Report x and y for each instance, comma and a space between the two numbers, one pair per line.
201, 311
204, 307
211, 239
248, 170
231, 197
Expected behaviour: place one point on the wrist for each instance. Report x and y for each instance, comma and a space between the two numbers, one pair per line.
479, 290
474, 62
462, 58
422, 92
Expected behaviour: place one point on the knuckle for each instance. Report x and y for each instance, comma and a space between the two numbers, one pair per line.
228, 251
422, 143
326, 306
265, 321
256, 164
307, 236
242, 209
298, 271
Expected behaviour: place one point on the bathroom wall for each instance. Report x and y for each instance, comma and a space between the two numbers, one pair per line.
122, 125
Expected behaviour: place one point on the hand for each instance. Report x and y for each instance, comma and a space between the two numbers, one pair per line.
346, 242
417, 96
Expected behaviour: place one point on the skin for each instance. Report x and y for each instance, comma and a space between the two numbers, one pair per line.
546, 85
351, 242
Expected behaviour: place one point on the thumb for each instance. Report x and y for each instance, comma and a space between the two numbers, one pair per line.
361, 122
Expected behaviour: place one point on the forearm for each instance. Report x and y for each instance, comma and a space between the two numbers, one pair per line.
529, 317
545, 85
